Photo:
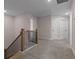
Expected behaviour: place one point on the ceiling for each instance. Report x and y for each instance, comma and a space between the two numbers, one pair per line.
36, 7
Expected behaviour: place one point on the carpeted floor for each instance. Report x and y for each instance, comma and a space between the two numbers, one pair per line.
49, 49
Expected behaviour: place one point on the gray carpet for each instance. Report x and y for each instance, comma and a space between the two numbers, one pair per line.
47, 49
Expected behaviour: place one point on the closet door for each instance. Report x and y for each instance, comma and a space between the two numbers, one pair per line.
60, 28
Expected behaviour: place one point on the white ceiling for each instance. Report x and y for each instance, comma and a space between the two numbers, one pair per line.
35, 7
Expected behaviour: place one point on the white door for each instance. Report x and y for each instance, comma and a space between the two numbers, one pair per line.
60, 28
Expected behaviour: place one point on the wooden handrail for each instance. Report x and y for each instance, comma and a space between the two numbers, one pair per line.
22, 39
15, 39
21, 34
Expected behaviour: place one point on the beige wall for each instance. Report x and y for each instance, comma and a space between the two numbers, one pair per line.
8, 30
54, 27
44, 27
23, 21
13, 26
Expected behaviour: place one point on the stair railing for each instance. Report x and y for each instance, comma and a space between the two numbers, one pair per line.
18, 43
15, 46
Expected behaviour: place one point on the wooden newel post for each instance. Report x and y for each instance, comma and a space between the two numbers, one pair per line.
37, 36
22, 39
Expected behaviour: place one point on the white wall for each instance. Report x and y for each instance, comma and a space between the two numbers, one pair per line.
34, 23
13, 25
59, 27
44, 27
53, 27
8, 30
24, 21
21, 22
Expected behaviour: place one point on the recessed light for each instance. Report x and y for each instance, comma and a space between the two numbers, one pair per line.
49, 0
5, 11
67, 14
